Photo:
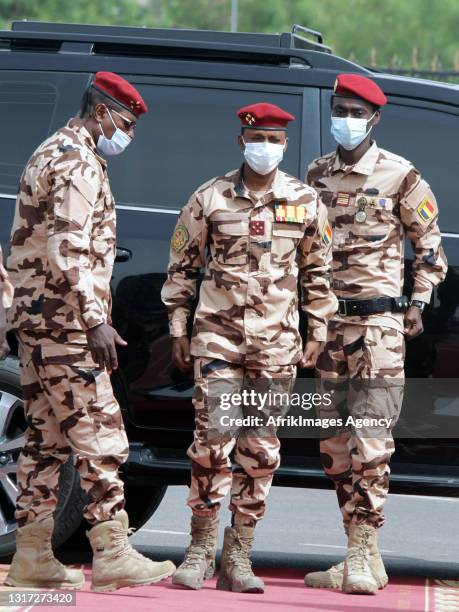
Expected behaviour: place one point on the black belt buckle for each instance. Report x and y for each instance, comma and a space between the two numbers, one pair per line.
342, 308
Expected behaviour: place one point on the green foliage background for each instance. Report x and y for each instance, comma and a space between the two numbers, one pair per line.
352, 27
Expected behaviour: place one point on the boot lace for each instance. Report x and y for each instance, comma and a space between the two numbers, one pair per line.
121, 543
239, 555
198, 549
358, 555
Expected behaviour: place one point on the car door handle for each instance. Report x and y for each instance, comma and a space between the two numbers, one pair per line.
122, 254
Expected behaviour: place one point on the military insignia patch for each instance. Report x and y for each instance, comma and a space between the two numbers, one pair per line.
327, 233
426, 209
343, 198
250, 118
286, 213
180, 238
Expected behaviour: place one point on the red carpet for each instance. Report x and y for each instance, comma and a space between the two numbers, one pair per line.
284, 591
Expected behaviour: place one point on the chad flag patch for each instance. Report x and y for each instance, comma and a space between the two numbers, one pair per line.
327, 232
426, 209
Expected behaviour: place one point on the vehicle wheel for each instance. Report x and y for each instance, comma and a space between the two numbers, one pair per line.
141, 504
71, 501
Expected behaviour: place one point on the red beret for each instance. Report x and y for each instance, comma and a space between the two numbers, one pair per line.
264, 116
119, 90
357, 86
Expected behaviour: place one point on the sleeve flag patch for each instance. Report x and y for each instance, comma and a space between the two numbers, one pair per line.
426, 209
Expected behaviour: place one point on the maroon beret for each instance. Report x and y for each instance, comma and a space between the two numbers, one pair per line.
120, 91
357, 86
264, 116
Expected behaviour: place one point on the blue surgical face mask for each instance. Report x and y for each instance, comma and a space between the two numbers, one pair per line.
114, 145
349, 132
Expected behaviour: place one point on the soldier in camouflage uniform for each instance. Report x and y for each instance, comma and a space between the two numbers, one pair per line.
374, 199
252, 231
6, 298
61, 259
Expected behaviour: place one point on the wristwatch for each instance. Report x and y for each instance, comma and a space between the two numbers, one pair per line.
418, 304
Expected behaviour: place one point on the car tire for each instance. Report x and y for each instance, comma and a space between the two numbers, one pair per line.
71, 500
141, 504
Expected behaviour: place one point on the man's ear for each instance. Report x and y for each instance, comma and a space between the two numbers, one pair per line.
286, 144
240, 140
376, 118
99, 111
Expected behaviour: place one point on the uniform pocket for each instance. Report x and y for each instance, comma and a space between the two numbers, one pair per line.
284, 242
378, 223
229, 241
69, 355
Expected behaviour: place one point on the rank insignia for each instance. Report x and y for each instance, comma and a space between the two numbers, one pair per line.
180, 238
250, 118
382, 202
426, 209
327, 232
343, 198
287, 213
257, 228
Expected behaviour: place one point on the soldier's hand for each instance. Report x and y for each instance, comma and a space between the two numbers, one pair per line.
4, 346
310, 355
181, 357
102, 341
413, 323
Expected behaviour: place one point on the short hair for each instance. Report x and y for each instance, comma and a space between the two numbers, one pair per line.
375, 107
92, 97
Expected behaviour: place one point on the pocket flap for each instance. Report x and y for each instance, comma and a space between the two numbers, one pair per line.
67, 355
288, 230
230, 224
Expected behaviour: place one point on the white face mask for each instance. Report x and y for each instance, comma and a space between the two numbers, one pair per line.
349, 132
263, 157
114, 145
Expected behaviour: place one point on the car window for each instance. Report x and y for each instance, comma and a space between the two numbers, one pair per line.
32, 106
189, 136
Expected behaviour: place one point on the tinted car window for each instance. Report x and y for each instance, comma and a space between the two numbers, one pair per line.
188, 137
26, 109
32, 106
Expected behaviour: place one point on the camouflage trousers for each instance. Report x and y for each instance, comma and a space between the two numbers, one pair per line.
70, 410
256, 450
370, 359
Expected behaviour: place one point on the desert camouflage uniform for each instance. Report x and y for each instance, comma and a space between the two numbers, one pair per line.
246, 322
5, 284
61, 259
368, 260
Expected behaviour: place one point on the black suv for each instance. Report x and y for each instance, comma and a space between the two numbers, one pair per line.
193, 82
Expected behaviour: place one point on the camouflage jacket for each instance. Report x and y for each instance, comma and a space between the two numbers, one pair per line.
372, 206
5, 284
252, 250
62, 245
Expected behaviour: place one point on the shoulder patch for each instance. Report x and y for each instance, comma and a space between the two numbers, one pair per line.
179, 238
327, 233
426, 209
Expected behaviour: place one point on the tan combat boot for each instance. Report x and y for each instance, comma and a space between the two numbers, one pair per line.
236, 569
34, 565
116, 564
357, 575
332, 578
199, 562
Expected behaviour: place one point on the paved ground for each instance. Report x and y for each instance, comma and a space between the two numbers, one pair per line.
300, 533
302, 529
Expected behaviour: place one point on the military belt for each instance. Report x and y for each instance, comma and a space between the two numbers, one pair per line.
349, 308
